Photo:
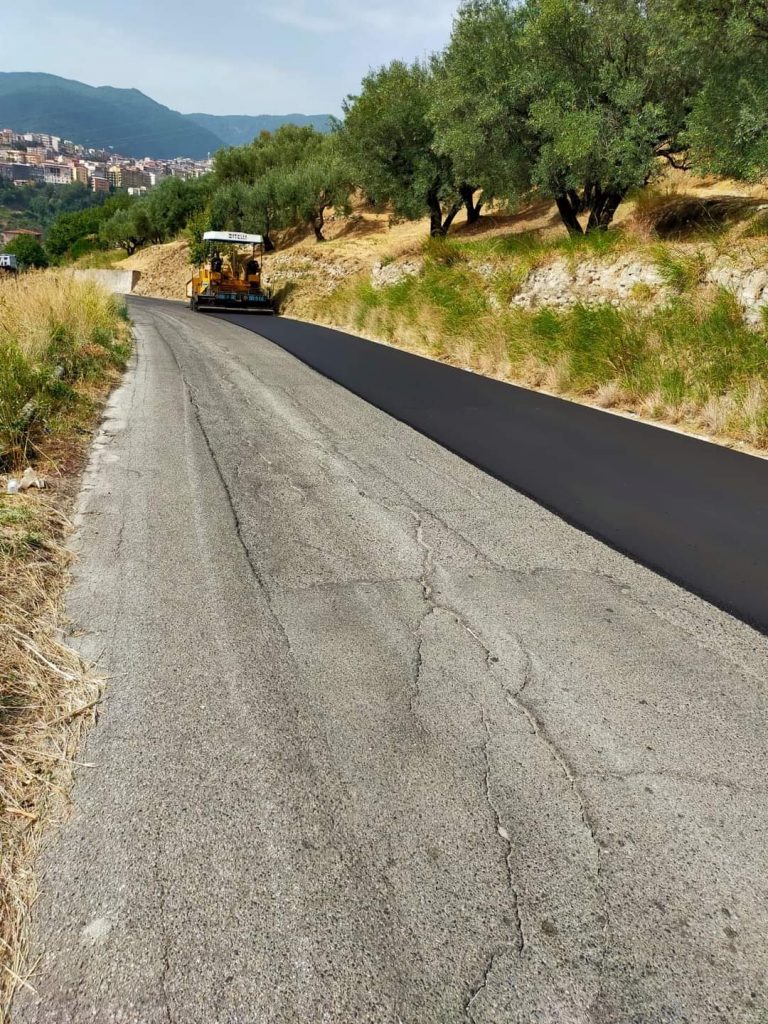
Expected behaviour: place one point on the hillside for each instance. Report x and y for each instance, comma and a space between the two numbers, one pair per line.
123, 119
662, 317
240, 129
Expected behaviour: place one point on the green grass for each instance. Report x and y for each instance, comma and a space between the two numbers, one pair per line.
681, 270
692, 360
58, 336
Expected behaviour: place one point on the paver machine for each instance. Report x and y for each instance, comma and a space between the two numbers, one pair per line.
230, 279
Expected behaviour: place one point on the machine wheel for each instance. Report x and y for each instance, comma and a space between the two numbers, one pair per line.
193, 304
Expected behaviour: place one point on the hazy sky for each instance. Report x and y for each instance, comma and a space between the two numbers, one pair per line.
248, 57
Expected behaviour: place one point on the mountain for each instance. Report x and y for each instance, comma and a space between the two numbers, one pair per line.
125, 119
239, 129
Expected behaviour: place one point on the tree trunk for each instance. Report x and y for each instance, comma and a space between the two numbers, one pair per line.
436, 229
603, 209
438, 226
568, 215
269, 245
597, 201
449, 219
577, 202
317, 224
467, 193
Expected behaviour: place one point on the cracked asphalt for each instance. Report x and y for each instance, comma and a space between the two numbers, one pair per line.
385, 741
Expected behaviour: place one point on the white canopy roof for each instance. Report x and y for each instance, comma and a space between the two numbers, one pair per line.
238, 237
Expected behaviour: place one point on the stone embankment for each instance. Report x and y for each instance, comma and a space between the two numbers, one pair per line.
628, 279
592, 283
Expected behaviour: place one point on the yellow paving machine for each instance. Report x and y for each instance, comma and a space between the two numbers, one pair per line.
230, 279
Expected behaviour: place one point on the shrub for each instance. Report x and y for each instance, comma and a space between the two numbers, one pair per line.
54, 332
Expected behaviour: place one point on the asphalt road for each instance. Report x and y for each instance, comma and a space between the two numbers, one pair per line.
695, 511
385, 741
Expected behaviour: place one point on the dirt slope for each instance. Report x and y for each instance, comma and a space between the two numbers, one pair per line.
301, 269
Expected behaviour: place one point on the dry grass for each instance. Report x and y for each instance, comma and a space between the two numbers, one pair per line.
49, 307
47, 698
61, 344
57, 335
690, 361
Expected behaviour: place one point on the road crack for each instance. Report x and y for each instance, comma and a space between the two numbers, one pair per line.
515, 699
502, 832
253, 566
539, 730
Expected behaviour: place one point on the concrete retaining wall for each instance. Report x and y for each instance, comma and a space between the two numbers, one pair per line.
121, 282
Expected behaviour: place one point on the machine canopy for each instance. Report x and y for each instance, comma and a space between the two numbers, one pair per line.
238, 237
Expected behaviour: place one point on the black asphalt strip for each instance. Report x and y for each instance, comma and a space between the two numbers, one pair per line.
693, 511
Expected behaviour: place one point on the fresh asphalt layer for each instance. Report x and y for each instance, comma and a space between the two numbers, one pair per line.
385, 740
695, 511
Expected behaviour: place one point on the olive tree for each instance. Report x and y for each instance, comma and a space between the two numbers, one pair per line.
127, 229
288, 146
574, 99
172, 203
728, 127
388, 140
317, 183
479, 105
250, 206
255, 186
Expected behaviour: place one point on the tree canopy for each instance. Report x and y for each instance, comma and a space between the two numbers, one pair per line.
127, 229
388, 139
316, 183
577, 101
574, 99
728, 126
279, 180
28, 252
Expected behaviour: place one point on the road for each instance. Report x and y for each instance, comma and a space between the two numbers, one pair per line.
694, 511
385, 741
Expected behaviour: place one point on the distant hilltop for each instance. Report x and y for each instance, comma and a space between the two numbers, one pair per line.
240, 129
126, 120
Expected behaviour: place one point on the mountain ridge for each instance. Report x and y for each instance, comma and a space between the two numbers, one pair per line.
126, 120
239, 129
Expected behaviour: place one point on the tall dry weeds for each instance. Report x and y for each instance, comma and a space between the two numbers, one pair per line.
55, 332
37, 307
47, 697
61, 343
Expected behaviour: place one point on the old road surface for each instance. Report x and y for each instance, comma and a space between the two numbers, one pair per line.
385, 741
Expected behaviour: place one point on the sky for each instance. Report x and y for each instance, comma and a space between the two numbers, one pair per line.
246, 57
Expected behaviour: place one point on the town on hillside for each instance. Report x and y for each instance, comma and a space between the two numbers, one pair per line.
33, 157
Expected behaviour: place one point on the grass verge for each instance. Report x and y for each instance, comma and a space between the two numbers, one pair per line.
62, 343
690, 360
58, 336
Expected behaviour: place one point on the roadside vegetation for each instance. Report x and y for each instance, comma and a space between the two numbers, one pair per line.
582, 108
59, 340
680, 353
62, 344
